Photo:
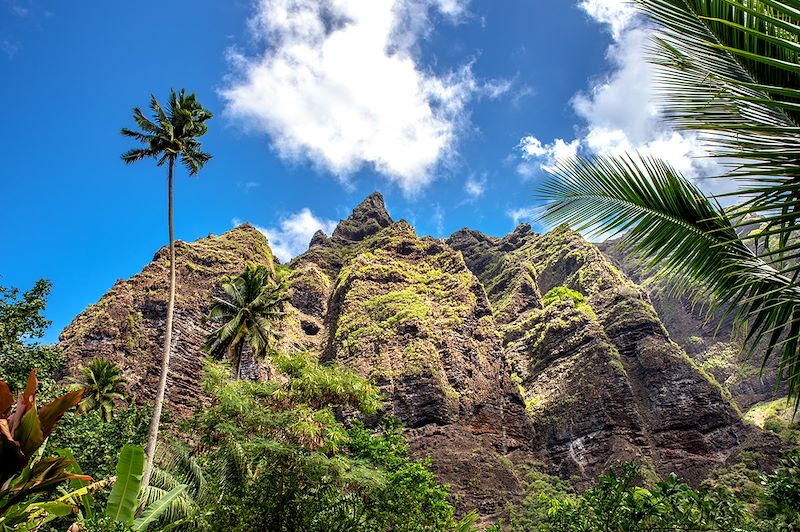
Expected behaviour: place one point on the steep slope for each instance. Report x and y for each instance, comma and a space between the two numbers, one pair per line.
127, 324
603, 382
409, 314
709, 342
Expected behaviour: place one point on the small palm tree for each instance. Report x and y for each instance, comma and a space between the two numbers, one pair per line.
171, 135
254, 302
104, 384
729, 69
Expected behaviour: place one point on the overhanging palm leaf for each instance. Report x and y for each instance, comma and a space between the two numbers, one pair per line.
728, 69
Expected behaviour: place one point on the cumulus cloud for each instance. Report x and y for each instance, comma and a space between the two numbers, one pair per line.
339, 83
617, 14
522, 214
537, 156
475, 187
293, 233
619, 112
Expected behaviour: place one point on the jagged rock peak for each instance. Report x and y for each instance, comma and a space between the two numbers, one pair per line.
369, 217
466, 234
517, 238
319, 239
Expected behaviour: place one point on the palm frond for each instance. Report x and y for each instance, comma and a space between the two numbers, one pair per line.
730, 69
137, 154
689, 238
171, 134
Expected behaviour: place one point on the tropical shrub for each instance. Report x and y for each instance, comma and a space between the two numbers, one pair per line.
781, 497
21, 324
252, 304
99, 443
23, 430
559, 293
124, 510
277, 458
411, 498
619, 501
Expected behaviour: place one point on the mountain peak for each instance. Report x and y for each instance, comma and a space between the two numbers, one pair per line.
319, 239
369, 217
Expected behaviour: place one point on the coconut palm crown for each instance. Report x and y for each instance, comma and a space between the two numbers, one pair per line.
172, 134
253, 302
103, 384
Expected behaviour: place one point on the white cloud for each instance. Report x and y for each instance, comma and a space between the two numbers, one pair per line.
531, 147
624, 99
618, 14
338, 83
561, 150
619, 112
293, 233
495, 88
475, 187
537, 156
521, 214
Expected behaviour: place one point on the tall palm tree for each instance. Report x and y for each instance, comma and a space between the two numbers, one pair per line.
103, 384
254, 302
730, 70
171, 135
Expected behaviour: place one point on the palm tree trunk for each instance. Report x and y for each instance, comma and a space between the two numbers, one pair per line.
152, 435
239, 351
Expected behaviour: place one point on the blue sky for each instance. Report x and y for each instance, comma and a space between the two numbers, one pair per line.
450, 108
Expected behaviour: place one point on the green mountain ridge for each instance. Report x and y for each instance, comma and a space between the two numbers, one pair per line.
487, 378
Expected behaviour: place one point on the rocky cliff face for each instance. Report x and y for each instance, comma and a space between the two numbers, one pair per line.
709, 340
602, 380
485, 376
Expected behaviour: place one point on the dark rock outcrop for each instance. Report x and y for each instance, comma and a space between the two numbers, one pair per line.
368, 218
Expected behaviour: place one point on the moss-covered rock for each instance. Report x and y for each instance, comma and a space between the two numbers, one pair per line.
127, 324
601, 378
708, 338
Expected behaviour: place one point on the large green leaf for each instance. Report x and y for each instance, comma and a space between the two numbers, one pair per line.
158, 507
75, 485
29, 433
124, 496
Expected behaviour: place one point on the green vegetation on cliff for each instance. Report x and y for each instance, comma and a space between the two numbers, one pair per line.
560, 293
